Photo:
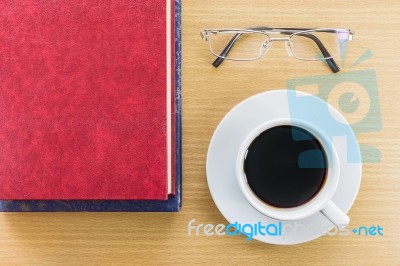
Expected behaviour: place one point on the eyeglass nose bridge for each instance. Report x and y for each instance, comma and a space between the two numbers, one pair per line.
267, 44
279, 39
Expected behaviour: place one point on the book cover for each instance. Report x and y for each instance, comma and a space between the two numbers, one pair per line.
171, 204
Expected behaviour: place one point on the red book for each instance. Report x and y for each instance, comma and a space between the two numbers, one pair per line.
85, 100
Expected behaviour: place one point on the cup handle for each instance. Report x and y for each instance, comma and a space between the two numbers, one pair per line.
335, 215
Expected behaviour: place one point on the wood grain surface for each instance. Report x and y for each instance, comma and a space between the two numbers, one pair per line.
208, 94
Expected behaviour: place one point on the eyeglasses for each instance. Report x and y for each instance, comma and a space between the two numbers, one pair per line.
251, 44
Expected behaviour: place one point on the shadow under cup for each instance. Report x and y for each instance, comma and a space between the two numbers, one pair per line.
285, 166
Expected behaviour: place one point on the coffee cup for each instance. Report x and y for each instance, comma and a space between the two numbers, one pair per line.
289, 170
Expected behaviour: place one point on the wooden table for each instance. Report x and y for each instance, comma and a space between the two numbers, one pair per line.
209, 93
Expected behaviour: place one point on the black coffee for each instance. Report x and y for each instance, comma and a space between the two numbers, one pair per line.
285, 166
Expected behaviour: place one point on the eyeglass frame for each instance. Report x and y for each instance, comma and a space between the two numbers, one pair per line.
286, 31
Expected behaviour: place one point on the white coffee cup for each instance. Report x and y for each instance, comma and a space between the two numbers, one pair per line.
321, 202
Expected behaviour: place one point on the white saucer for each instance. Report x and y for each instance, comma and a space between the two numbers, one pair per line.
221, 158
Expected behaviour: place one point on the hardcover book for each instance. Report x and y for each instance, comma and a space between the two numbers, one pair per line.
90, 110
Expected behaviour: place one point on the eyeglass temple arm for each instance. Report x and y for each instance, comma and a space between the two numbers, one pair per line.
331, 62
226, 50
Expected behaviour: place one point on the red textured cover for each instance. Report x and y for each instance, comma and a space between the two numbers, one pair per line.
83, 100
